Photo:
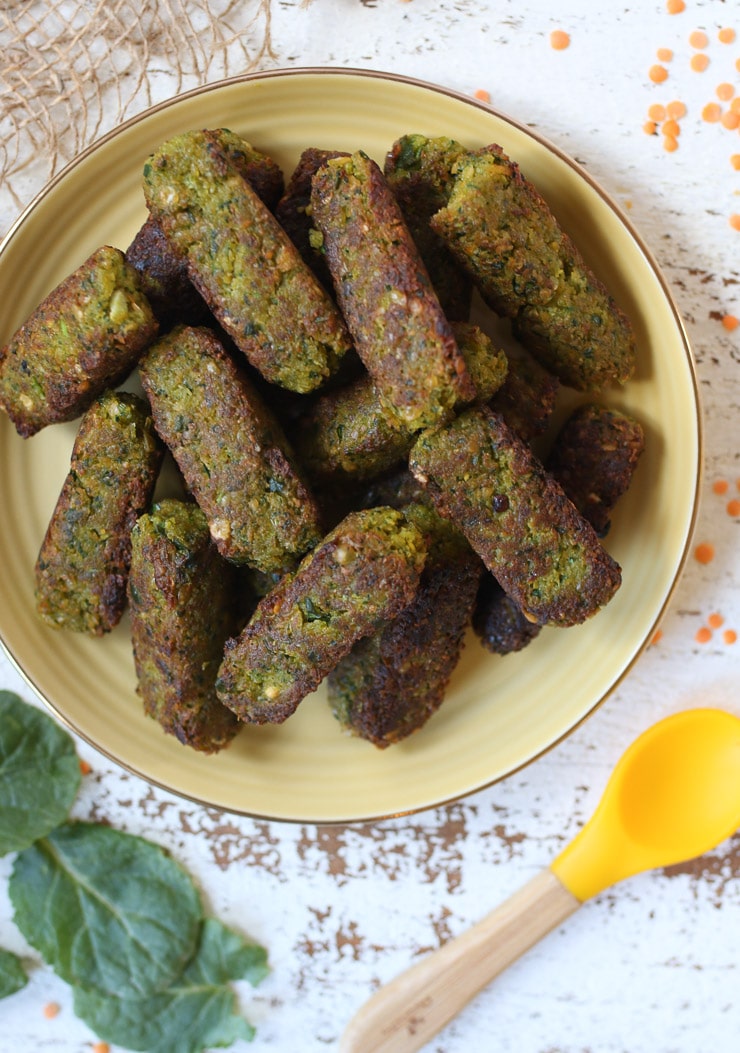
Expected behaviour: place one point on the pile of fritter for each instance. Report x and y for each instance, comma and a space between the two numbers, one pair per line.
359, 476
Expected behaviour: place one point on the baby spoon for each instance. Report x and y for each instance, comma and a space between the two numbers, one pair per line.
673, 795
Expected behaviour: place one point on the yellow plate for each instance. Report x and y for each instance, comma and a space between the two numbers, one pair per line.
500, 713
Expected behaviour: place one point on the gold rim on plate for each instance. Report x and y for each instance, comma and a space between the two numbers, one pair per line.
500, 713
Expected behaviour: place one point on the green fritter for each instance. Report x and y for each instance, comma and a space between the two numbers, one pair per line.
364, 572
231, 451
526, 268
498, 620
164, 275
544, 554
182, 597
419, 171
500, 229
348, 432
87, 335
581, 334
293, 210
527, 398
391, 682
242, 262
400, 331
164, 279
83, 564
395, 488
594, 457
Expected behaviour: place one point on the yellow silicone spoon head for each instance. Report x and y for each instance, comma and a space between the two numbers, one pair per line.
673, 795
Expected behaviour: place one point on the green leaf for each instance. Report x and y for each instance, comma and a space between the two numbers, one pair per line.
106, 910
196, 1013
39, 773
12, 974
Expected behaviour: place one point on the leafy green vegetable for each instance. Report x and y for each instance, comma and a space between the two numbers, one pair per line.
112, 913
12, 974
39, 774
108, 911
195, 1013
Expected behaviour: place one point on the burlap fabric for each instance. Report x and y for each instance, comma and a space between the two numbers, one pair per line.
72, 69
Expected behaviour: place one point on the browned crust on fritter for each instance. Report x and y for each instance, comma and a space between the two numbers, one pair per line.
421, 188
83, 563
364, 572
392, 682
526, 399
183, 607
499, 622
71, 349
293, 209
164, 279
515, 515
231, 450
594, 457
385, 294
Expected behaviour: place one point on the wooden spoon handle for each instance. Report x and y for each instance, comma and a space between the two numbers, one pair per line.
407, 1012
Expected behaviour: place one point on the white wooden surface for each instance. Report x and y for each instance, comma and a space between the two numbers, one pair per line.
652, 966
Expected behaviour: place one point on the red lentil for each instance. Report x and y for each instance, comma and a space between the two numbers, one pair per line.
559, 40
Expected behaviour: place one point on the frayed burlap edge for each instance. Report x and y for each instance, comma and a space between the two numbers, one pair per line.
73, 69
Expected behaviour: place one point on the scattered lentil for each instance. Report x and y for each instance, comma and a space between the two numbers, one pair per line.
676, 110
711, 113
704, 552
735, 221
675, 7
730, 120
726, 35
657, 636
699, 62
51, 1009
657, 112
729, 636
725, 91
559, 40
658, 74
670, 143
85, 768
703, 635
698, 39
720, 486
664, 54
483, 95
650, 127
729, 321
671, 127
733, 508
715, 621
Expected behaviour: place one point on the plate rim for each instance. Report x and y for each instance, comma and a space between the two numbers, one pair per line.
654, 266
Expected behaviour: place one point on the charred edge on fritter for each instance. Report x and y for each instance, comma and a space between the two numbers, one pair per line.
499, 227
365, 571
243, 263
183, 608
231, 451
594, 457
86, 335
83, 564
391, 682
349, 433
530, 536
419, 171
385, 294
